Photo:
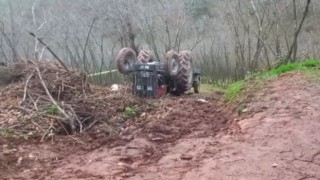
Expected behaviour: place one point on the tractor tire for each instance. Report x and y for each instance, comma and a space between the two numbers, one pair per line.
196, 84
171, 64
125, 60
196, 89
145, 56
184, 78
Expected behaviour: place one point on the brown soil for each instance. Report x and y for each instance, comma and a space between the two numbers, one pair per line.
184, 138
99, 155
280, 137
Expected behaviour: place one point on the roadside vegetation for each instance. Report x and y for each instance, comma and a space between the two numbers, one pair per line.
255, 81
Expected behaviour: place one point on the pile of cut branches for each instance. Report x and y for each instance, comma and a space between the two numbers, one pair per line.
48, 99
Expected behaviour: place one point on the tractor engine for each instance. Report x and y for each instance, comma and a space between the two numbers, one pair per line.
149, 80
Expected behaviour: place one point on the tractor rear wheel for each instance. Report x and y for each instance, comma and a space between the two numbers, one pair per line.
184, 77
145, 56
125, 60
171, 64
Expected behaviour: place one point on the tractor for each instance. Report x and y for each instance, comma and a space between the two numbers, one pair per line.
175, 74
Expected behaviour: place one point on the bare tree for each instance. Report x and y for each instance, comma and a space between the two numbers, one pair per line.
292, 54
229, 38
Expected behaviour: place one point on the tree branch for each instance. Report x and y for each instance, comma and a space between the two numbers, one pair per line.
49, 49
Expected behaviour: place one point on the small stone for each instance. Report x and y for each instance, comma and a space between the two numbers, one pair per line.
275, 165
186, 157
26, 171
32, 156
156, 139
128, 138
202, 100
127, 175
114, 87
121, 164
19, 161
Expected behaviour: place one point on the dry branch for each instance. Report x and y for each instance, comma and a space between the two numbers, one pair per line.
49, 95
46, 100
49, 49
26, 87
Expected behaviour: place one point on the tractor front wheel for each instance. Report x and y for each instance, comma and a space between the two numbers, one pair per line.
125, 60
171, 63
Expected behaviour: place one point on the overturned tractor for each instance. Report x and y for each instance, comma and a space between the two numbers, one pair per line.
175, 74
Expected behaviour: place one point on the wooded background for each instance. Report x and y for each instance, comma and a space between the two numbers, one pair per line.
228, 38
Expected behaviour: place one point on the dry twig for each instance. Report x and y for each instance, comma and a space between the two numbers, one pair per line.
67, 117
26, 87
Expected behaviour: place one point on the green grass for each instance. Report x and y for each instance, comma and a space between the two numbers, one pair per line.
310, 67
7, 133
313, 74
233, 90
52, 110
207, 88
305, 65
130, 112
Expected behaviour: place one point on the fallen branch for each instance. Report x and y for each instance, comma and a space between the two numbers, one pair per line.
47, 131
67, 117
50, 100
26, 87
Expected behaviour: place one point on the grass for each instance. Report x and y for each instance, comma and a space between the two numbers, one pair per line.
7, 133
233, 90
130, 112
310, 67
302, 66
313, 74
52, 110
207, 88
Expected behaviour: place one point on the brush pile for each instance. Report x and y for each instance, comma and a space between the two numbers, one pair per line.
47, 98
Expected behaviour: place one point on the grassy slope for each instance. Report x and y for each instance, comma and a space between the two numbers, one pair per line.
206, 88
233, 92
314, 74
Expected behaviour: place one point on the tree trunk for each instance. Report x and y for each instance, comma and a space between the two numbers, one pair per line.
294, 47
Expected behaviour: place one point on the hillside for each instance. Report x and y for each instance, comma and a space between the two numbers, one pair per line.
190, 137
69, 69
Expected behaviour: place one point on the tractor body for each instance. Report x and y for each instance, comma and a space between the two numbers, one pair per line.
151, 78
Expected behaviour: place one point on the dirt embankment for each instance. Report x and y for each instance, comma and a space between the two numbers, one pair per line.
184, 138
280, 136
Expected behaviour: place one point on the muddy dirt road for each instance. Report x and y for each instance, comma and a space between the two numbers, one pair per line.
280, 138
277, 137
